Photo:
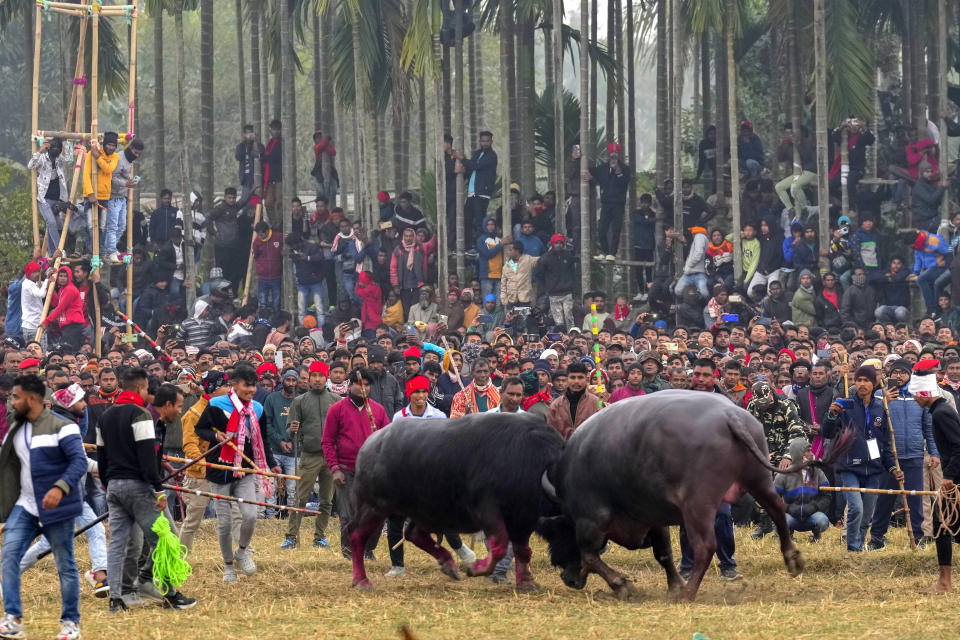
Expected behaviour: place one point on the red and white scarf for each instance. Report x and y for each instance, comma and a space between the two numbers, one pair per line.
237, 430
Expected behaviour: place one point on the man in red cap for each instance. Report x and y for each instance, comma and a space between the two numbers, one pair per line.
267, 375
946, 433
387, 208
29, 367
556, 270
304, 434
614, 180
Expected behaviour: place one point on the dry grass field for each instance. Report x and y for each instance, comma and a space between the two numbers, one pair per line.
306, 594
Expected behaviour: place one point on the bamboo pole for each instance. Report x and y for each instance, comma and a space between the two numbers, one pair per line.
217, 496
732, 131
35, 121
942, 70
56, 262
896, 464
889, 492
95, 209
78, 135
133, 87
76, 90
226, 467
249, 279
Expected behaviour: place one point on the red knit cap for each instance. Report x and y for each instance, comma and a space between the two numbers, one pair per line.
793, 357
320, 367
267, 366
412, 352
416, 383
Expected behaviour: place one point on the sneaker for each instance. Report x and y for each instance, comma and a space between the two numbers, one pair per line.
10, 629
466, 555
395, 572
611, 257
322, 543
369, 556
244, 562
875, 545
178, 601
114, 258
69, 630
289, 544
498, 578
229, 573
148, 590
815, 537
131, 599
100, 587
119, 604
599, 256
730, 574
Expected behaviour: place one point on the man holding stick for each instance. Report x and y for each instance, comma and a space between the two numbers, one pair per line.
130, 470
305, 426
946, 433
234, 418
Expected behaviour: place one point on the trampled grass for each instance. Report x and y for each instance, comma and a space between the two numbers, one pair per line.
306, 594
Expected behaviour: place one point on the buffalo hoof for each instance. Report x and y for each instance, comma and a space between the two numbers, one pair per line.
449, 569
529, 586
478, 568
626, 591
363, 585
794, 561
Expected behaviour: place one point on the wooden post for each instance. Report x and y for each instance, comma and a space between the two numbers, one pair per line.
56, 268
943, 15
585, 140
248, 282
844, 175
133, 87
77, 91
95, 208
733, 129
34, 125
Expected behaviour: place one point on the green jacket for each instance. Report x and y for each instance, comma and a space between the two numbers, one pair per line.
276, 409
803, 308
657, 384
310, 410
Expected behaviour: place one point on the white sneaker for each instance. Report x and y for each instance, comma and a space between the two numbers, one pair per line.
466, 555
10, 629
244, 562
69, 630
229, 573
599, 256
114, 258
611, 257
395, 572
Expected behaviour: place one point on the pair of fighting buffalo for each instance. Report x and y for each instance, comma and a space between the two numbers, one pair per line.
625, 475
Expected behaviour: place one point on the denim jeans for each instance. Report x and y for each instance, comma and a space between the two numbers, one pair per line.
488, 286
699, 280
268, 293
927, 283
751, 167
348, 279
53, 233
94, 495
726, 544
943, 281
561, 308
116, 225
912, 480
20, 530
860, 506
96, 543
314, 294
132, 504
887, 313
818, 523
245, 488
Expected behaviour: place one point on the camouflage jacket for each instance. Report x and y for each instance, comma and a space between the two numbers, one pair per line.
781, 424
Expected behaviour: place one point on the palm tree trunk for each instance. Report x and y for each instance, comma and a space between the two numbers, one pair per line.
559, 143
189, 268
611, 107
328, 119
662, 92
160, 134
705, 105
206, 102
631, 142
255, 82
906, 66
477, 80
618, 40
507, 86
474, 81
585, 248
723, 159
447, 102
942, 70
288, 133
422, 126
918, 72
820, 83
460, 132
360, 111
676, 74
317, 75
796, 98
242, 80
439, 164
732, 132
549, 75
527, 93
594, 77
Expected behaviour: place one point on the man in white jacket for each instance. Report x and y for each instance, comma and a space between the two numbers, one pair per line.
32, 293
695, 269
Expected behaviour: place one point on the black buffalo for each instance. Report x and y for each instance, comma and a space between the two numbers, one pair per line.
641, 465
478, 472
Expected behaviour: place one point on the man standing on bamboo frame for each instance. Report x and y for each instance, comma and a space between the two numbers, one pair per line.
106, 156
120, 185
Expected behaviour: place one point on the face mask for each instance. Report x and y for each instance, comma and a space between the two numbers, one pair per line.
859, 281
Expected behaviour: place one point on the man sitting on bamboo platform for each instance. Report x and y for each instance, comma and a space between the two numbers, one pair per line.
235, 420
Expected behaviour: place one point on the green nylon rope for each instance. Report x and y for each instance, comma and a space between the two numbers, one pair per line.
169, 564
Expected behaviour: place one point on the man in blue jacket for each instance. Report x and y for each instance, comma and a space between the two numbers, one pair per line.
912, 428
869, 457
41, 465
480, 172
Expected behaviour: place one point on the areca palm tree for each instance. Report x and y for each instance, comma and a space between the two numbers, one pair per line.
190, 270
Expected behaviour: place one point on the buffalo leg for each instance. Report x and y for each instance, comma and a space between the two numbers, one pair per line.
590, 539
425, 541
498, 539
698, 522
769, 500
366, 523
662, 551
523, 554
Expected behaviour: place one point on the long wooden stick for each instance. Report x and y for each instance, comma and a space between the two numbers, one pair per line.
133, 92
896, 463
35, 122
242, 455
226, 467
95, 209
456, 372
217, 496
83, 136
56, 266
77, 90
889, 492
246, 286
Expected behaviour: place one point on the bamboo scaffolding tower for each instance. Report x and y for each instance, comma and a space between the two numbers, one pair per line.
249, 280
132, 105
95, 208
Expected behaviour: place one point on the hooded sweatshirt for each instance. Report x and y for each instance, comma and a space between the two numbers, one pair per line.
698, 250
67, 305
490, 252
801, 490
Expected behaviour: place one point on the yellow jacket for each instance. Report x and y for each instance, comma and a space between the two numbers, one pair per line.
393, 316
105, 166
193, 446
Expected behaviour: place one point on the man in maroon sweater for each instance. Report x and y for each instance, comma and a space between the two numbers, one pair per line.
348, 424
268, 258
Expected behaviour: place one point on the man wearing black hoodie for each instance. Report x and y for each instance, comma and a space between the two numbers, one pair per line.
384, 388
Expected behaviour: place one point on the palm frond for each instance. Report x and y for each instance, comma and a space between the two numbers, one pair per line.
597, 53
850, 71
543, 136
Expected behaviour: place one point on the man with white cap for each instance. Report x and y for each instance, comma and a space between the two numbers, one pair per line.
946, 433
69, 403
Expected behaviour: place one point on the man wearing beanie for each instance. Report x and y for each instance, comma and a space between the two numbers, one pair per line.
384, 388
535, 399
305, 430
869, 458
946, 433
557, 270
